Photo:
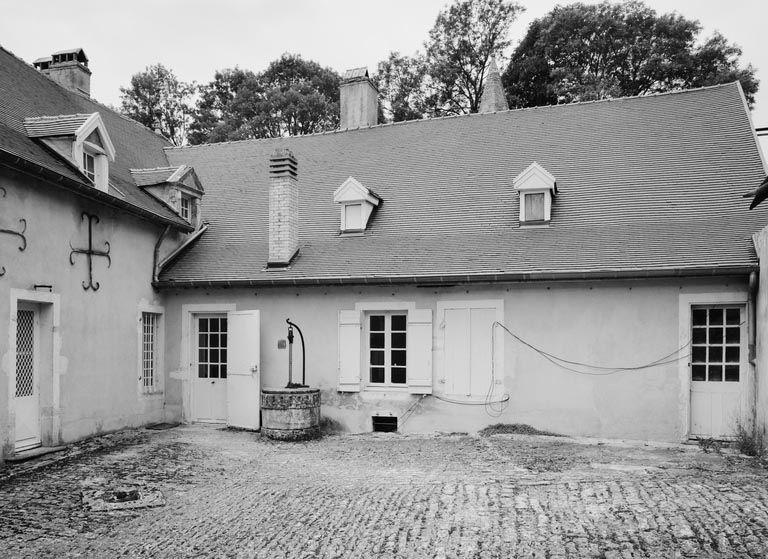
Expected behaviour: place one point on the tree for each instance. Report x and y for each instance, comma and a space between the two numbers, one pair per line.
292, 96
401, 81
585, 52
159, 100
214, 119
464, 38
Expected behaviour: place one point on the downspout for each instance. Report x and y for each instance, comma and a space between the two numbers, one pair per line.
752, 348
156, 256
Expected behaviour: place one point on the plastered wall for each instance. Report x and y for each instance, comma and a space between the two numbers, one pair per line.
615, 323
96, 341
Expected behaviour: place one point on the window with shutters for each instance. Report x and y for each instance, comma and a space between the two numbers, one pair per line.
385, 346
387, 334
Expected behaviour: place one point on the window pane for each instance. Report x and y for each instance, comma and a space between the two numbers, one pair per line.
201, 371
732, 335
534, 207
398, 340
202, 340
398, 358
398, 322
223, 355
732, 354
213, 324
715, 373
698, 354
377, 340
398, 375
213, 340
377, 358
715, 354
213, 371
353, 218
377, 323
699, 335
732, 316
377, 374
214, 355
716, 335
223, 325
222, 340
203, 325
698, 372
715, 316
732, 373
202, 356
699, 317
223, 371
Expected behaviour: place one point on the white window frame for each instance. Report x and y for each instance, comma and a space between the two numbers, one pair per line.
185, 209
352, 193
156, 389
387, 349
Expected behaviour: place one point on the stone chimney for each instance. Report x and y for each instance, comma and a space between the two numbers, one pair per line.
283, 208
493, 98
68, 68
359, 100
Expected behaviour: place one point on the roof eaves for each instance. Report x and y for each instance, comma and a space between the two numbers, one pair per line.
19, 163
477, 277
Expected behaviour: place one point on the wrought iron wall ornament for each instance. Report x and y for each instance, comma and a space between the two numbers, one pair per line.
90, 252
20, 234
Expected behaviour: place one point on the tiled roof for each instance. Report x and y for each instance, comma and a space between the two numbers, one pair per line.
26, 94
58, 125
158, 175
646, 186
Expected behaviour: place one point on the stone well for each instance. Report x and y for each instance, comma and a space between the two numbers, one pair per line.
290, 414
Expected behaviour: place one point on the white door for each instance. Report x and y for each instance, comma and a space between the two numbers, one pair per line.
718, 370
244, 369
209, 373
468, 349
27, 386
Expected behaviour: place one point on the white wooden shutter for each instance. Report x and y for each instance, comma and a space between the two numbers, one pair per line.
349, 351
243, 369
420, 351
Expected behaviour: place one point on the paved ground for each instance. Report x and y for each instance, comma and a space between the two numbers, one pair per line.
232, 494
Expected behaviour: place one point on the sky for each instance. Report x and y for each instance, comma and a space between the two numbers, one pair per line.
195, 37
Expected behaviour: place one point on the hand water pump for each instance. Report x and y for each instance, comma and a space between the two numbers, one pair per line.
292, 384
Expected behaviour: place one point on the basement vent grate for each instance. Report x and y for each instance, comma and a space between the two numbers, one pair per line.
384, 424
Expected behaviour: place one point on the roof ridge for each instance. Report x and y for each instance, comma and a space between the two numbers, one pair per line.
87, 97
150, 169
468, 115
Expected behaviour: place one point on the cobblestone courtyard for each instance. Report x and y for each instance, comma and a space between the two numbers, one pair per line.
233, 494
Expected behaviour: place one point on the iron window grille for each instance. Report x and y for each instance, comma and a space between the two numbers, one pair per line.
386, 334
149, 351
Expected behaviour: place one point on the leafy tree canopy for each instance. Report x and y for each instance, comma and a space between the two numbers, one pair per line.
464, 38
585, 52
292, 96
158, 99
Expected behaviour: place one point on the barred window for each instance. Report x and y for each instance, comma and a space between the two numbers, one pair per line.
149, 351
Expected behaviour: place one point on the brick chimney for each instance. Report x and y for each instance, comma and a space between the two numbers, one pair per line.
283, 208
68, 68
359, 100
493, 98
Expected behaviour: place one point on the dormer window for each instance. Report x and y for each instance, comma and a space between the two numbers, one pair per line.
186, 206
81, 138
357, 204
536, 188
89, 166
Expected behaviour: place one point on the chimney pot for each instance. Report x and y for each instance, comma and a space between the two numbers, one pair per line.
68, 68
